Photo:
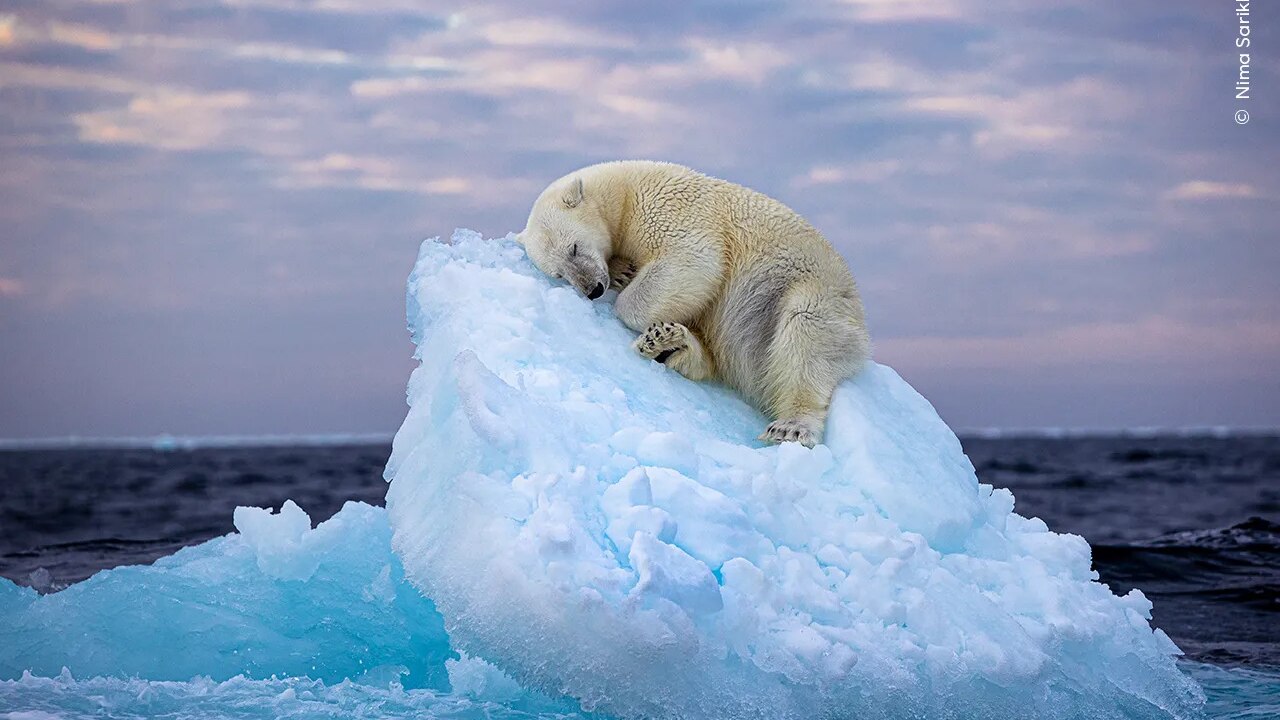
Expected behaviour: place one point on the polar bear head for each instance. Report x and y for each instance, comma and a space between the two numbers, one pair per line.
566, 237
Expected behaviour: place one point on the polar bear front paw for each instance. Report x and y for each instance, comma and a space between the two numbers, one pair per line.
662, 340
789, 430
621, 272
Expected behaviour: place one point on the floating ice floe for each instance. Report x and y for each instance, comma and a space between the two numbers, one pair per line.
278, 598
276, 620
598, 526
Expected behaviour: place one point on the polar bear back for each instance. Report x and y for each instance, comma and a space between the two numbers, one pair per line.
767, 251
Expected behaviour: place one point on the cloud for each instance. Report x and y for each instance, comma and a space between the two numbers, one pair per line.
903, 10
1021, 234
62, 78
11, 287
1208, 190
167, 120
381, 88
90, 38
1056, 117
542, 33
371, 173
749, 62
871, 171
81, 36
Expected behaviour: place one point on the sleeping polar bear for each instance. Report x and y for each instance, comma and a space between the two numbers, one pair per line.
721, 281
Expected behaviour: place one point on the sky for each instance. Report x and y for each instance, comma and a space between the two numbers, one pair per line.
208, 209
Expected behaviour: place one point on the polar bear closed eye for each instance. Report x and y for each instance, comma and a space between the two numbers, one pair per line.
721, 282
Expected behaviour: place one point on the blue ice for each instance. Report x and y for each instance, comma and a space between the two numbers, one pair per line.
278, 619
572, 528
276, 598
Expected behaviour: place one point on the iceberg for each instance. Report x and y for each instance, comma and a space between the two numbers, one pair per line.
597, 526
278, 598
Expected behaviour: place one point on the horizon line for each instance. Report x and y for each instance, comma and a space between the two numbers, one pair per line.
165, 442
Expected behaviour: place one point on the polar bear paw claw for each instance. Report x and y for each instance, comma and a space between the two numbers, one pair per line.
789, 430
621, 272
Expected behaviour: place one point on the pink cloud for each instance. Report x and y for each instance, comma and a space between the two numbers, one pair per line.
11, 287
1208, 190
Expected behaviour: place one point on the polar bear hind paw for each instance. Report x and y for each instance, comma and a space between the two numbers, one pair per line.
662, 340
789, 430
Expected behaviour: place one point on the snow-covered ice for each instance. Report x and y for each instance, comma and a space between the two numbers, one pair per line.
599, 526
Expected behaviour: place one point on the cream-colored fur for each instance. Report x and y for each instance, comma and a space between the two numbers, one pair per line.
721, 281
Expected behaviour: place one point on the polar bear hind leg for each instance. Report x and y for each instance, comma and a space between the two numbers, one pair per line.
818, 342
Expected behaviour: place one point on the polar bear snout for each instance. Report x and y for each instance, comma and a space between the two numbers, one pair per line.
589, 277
589, 287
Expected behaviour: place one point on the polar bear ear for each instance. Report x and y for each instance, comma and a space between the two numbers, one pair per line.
573, 198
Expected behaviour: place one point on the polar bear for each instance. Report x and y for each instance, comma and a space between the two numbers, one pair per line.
722, 282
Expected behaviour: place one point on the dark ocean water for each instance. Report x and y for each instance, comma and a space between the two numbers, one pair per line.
1192, 521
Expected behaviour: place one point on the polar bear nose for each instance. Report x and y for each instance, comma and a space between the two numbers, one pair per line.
596, 292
